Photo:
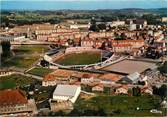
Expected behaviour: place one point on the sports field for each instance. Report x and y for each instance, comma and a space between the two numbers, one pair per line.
80, 58
24, 56
15, 80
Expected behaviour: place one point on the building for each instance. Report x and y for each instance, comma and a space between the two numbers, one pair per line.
57, 106
123, 89
164, 19
80, 26
131, 78
122, 48
129, 42
140, 23
60, 76
87, 42
88, 78
147, 90
132, 27
116, 23
13, 102
98, 88
66, 93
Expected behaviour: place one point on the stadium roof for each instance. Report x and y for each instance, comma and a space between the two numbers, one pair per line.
133, 76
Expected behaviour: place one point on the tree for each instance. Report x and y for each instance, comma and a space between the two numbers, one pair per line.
44, 63
136, 91
6, 48
163, 68
163, 91
101, 26
94, 26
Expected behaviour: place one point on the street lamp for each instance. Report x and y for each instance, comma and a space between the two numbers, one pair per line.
164, 106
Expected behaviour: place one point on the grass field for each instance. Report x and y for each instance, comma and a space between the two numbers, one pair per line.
13, 81
24, 56
80, 58
20, 62
39, 71
31, 49
120, 105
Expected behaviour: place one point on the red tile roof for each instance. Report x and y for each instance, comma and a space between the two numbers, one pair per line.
127, 40
12, 97
122, 45
123, 86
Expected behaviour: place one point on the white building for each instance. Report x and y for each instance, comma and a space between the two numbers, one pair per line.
164, 19
117, 23
78, 26
66, 93
132, 27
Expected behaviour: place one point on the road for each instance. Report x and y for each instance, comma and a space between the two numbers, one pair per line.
29, 75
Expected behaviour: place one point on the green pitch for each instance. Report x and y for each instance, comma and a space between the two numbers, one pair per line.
80, 58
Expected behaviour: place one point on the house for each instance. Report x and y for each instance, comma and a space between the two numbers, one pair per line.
49, 80
57, 106
98, 88
60, 76
87, 42
164, 19
123, 89
134, 43
117, 23
66, 93
13, 102
78, 26
88, 78
140, 23
147, 90
131, 78
122, 47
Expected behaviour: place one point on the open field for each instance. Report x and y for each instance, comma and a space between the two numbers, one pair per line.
80, 58
25, 56
20, 61
31, 49
120, 105
14, 81
39, 71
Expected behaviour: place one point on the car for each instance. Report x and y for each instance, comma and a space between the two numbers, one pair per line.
155, 111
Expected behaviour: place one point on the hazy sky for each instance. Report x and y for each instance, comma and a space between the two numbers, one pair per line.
80, 4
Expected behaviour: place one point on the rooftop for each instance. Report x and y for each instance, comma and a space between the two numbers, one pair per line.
65, 90
59, 73
12, 97
134, 76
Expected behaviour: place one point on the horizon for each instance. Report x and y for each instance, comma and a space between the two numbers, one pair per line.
81, 4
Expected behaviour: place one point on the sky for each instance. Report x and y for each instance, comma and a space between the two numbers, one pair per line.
79, 4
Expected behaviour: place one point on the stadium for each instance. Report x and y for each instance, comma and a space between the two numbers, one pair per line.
79, 57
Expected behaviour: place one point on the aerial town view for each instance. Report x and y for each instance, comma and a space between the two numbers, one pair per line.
83, 58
